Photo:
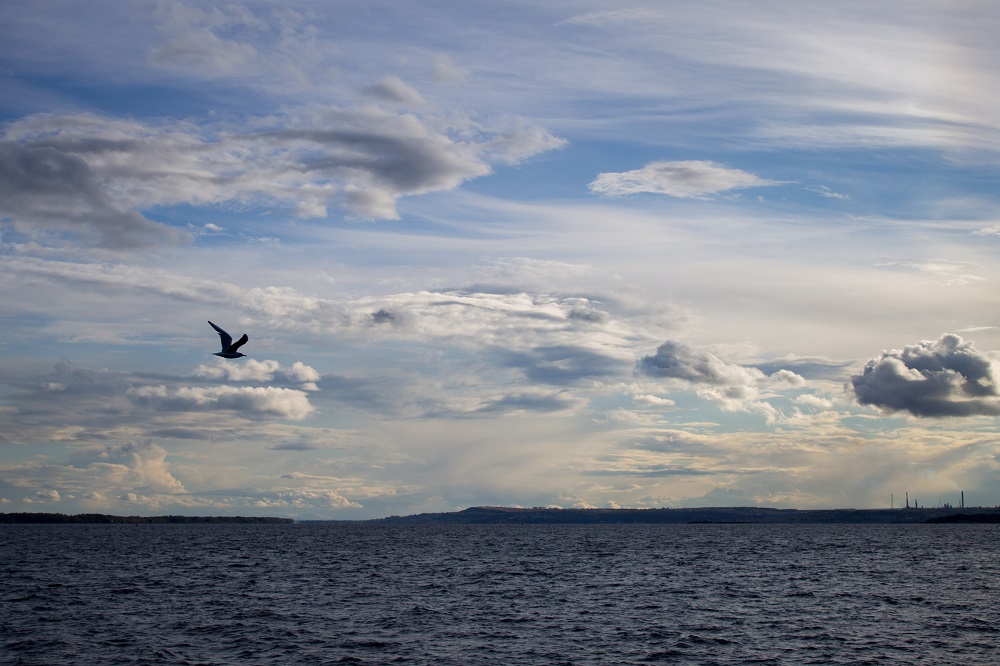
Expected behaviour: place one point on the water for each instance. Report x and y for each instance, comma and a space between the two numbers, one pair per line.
464, 594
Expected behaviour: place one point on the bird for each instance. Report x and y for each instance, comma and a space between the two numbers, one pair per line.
228, 346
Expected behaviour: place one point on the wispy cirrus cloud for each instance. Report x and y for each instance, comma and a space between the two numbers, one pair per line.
603, 17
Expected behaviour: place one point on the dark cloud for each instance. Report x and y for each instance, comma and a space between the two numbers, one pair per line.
383, 316
91, 176
44, 187
564, 364
947, 377
395, 157
589, 315
677, 360
294, 446
530, 401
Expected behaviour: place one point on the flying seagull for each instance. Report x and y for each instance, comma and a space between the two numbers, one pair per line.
228, 346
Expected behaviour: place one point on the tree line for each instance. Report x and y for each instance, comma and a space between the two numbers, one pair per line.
104, 518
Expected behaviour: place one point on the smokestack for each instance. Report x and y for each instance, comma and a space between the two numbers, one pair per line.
963, 499
907, 499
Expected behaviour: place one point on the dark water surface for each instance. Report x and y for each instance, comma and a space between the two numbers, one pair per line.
477, 594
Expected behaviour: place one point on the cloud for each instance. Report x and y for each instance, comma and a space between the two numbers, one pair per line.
677, 360
938, 271
946, 377
785, 377
653, 400
827, 193
603, 17
250, 370
530, 400
94, 474
300, 372
202, 51
49, 189
810, 400
92, 175
141, 467
269, 48
307, 499
516, 142
246, 401
735, 388
392, 89
684, 179
44, 496
566, 364
119, 278
445, 71
810, 367
253, 370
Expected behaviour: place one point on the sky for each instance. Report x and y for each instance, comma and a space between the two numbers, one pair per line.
572, 253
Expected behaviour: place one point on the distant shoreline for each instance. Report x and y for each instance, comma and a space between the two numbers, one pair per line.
749, 515
100, 518
497, 515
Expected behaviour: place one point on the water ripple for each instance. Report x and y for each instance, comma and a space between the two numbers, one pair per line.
581, 594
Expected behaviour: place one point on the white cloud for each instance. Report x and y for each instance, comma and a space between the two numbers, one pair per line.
44, 496
654, 400
827, 193
684, 179
245, 401
787, 378
733, 387
940, 271
307, 499
249, 370
303, 373
137, 466
810, 400
252, 370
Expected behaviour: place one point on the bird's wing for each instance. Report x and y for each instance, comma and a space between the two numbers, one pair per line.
227, 339
239, 343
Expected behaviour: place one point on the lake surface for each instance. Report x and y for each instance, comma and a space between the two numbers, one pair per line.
499, 594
